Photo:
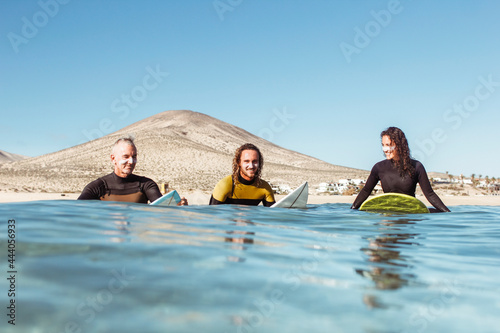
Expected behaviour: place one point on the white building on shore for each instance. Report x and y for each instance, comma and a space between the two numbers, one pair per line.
332, 188
342, 185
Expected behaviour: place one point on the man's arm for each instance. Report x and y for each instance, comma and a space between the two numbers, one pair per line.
214, 201
268, 203
222, 191
151, 190
93, 191
269, 199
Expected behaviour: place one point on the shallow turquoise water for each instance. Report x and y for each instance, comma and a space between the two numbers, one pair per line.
112, 267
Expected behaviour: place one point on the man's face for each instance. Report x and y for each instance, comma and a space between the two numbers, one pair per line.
124, 158
249, 164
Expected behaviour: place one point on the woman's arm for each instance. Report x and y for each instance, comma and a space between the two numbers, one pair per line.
426, 187
367, 189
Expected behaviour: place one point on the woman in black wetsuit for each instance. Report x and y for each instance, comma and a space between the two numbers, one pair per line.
399, 173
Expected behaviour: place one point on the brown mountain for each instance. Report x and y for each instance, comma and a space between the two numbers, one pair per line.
187, 149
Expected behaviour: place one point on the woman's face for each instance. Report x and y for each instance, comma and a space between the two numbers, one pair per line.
388, 147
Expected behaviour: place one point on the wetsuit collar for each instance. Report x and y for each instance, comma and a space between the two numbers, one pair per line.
244, 181
124, 178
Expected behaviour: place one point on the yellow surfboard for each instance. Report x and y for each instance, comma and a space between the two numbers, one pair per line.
394, 202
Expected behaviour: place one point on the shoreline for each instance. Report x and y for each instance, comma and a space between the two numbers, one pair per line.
196, 198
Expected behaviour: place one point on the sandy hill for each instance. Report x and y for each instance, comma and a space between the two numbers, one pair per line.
187, 149
444, 175
6, 157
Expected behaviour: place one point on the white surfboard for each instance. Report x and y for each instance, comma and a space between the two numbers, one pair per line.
296, 199
172, 198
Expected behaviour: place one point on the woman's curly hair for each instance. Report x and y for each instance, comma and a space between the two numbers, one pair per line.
237, 158
403, 163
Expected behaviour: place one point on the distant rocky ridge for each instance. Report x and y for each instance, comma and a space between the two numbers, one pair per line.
6, 157
188, 150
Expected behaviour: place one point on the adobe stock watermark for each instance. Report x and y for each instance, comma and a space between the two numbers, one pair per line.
88, 309
435, 307
372, 29
127, 101
265, 308
455, 116
223, 6
277, 124
30, 27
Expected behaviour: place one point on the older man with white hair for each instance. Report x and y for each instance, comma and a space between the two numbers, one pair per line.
122, 184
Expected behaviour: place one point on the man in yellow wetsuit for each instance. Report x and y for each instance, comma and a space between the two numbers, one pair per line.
244, 186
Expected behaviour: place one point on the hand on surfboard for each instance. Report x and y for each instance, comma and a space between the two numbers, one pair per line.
171, 198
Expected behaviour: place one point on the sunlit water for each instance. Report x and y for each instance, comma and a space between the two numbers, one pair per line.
111, 267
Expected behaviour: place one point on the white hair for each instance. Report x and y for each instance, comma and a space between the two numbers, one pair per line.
129, 140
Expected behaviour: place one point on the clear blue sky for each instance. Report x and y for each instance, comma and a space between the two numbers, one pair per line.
320, 77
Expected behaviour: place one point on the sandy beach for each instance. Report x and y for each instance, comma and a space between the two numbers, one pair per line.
202, 198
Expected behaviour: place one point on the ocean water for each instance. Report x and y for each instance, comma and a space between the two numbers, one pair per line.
115, 267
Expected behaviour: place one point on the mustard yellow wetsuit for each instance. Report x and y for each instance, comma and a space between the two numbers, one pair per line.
244, 192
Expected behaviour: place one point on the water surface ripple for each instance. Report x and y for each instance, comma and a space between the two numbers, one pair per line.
116, 267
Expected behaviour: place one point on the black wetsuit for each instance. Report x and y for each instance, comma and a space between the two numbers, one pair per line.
392, 182
114, 188
242, 193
